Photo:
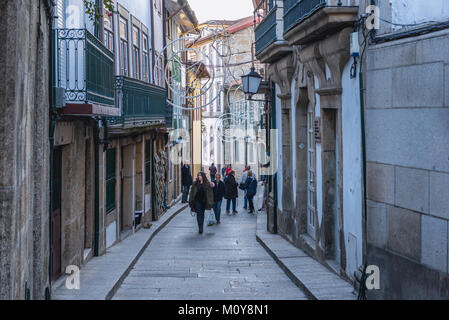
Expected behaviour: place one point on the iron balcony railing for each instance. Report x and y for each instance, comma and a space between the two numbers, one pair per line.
140, 101
296, 11
85, 68
265, 32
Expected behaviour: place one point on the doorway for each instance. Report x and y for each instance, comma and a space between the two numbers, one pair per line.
311, 174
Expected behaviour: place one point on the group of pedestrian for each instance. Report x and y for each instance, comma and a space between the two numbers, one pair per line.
208, 195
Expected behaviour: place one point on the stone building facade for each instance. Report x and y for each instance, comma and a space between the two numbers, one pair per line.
407, 134
368, 180
24, 144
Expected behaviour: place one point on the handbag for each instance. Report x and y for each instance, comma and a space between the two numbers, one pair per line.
242, 186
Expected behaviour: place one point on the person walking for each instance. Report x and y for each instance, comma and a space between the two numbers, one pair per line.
231, 192
201, 198
219, 192
186, 181
251, 190
228, 170
242, 186
213, 172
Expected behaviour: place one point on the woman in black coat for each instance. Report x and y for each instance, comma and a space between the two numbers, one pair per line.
231, 192
201, 198
219, 191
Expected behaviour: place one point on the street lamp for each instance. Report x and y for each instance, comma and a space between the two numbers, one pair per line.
251, 82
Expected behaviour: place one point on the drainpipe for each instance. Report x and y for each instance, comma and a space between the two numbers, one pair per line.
275, 176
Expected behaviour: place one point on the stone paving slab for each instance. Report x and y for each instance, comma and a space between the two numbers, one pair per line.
224, 263
317, 281
102, 276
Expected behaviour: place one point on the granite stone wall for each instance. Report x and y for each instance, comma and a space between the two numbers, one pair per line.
24, 145
407, 132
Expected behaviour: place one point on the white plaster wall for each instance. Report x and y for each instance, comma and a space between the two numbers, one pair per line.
418, 11
158, 31
293, 130
319, 171
352, 170
279, 141
139, 9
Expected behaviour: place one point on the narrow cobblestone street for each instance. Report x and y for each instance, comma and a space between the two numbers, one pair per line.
226, 262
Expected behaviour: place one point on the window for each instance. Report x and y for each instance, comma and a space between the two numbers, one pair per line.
109, 30
145, 58
136, 52
124, 59
169, 27
147, 162
236, 151
218, 97
170, 81
110, 180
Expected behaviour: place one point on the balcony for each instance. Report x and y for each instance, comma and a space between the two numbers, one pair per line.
85, 69
308, 20
142, 104
270, 44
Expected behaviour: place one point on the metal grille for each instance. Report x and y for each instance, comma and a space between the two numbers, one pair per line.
265, 32
295, 11
85, 67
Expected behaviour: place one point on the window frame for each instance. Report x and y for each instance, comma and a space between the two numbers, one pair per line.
124, 47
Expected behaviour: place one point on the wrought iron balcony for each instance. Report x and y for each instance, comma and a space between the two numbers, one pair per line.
270, 43
142, 104
85, 68
324, 16
296, 11
266, 31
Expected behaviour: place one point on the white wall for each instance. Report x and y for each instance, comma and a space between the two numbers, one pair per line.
418, 11
319, 171
352, 171
293, 130
279, 153
139, 9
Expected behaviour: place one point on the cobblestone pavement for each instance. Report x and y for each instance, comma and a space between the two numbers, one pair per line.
225, 263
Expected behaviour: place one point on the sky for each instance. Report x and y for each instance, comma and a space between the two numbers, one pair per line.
221, 9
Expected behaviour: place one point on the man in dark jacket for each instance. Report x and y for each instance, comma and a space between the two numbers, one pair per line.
213, 172
231, 192
186, 181
219, 192
251, 190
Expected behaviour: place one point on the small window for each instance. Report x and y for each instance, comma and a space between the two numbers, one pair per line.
124, 60
136, 52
